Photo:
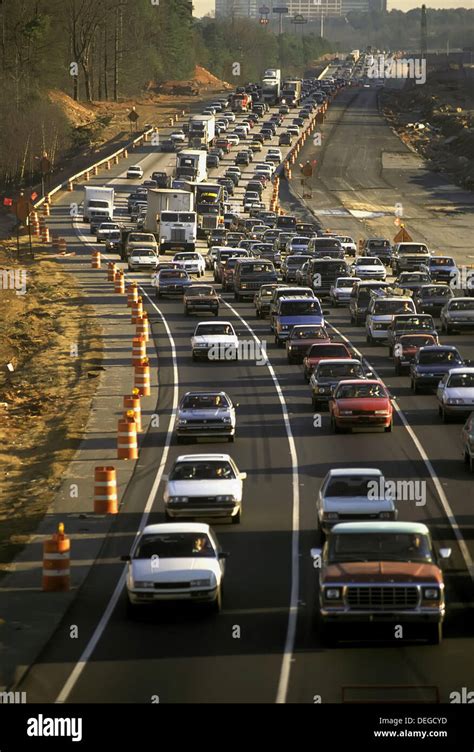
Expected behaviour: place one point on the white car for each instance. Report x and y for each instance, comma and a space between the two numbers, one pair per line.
233, 139
142, 259
353, 495
135, 171
229, 115
105, 229
348, 244
191, 261
264, 168
340, 291
180, 561
293, 129
204, 485
178, 137
214, 340
277, 152
455, 393
369, 267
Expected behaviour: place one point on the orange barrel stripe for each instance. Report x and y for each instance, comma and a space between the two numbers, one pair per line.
137, 310
142, 328
131, 403
105, 490
56, 562
138, 350
111, 269
142, 378
132, 293
95, 261
119, 283
127, 443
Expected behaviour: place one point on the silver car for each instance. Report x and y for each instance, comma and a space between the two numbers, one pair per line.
458, 313
455, 393
329, 373
205, 414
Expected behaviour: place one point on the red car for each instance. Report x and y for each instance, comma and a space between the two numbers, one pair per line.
361, 404
406, 347
323, 350
300, 339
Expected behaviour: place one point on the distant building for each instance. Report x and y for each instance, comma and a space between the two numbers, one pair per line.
312, 10
237, 8
361, 6
378, 6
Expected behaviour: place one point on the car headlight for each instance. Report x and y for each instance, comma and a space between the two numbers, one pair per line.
177, 499
200, 583
227, 420
431, 593
333, 593
225, 498
379, 325
182, 421
386, 515
143, 584
346, 412
331, 515
243, 286
284, 327
381, 412
454, 401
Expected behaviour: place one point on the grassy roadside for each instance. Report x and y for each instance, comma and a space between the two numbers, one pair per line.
45, 400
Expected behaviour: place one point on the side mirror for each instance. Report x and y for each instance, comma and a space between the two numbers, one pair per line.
165, 477
445, 553
126, 557
316, 553
326, 313
236, 404
223, 555
243, 476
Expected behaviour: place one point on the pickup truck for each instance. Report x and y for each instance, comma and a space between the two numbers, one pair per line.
408, 257
385, 572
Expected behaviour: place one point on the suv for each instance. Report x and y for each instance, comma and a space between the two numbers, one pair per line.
431, 298
380, 571
292, 311
323, 272
290, 266
250, 275
360, 297
442, 269
379, 247
407, 323
287, 292
409, 257
380, 313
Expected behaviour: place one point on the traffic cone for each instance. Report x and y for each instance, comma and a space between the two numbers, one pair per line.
137, 309
105, 490
131, 402
127, 443
111, 270
142, 378
142, 327
95, 260
119, 283
56, 562
138, 350
132, 293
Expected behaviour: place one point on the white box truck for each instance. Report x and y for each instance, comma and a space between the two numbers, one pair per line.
166, 199
202, 131
171, 217
100, 200
191, 165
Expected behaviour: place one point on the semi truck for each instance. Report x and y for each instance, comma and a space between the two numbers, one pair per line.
271, 86
241, 102
291, 92
166, 199
100, 201
202, 131
191, 165
172, 219
208, 198
274, 73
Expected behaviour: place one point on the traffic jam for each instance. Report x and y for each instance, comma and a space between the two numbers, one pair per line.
249, 281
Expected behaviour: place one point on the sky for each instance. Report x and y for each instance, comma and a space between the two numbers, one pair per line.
201, 7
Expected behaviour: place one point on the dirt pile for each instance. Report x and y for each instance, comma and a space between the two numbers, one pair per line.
437, 119
202, 81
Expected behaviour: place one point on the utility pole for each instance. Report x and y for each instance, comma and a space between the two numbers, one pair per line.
423, 44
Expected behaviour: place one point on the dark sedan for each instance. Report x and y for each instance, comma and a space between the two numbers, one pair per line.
431, 364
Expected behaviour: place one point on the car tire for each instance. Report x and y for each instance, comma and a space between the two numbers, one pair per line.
257, 313
444, 415
186, 311
231, 438
157, 295
216, 605
216, 313
334, 427
369, 339
388, 429
434, 634
194, 357
131, 609
398, 369
236, 519
414, 387
315, 403
329, 635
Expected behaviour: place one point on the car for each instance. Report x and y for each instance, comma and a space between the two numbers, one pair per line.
457, 314
214, 341
134, 171
409, 323
348, 244
358, 403
431, 298
105, 229
368, 267
287, 291
232, 138
212, 160
379, 247
178, 136
405, 348
285, 139
255, 147
467, 440
217, 236
323, 351
297, 244
140, 240
380, 313
242, 158
250, 275
284, 109
290, 266
162, 179
272, 158
142, 259
442, 269
327, 375
180, 561
455, 393
191, 261
412, 281
293, 129
199, 298
204, 485
341, 289
224, 143
264, 168
227, 273
262, 300
301, 338
431, 364
353, 494
361, 297
205, 414
171, 282
380, 559
113, 241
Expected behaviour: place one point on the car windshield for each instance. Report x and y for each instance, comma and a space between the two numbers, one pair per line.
207, 329
296, 260
360, 391
169, 217
257, 268
415, 322
146, 252
344, 282
462, 305
380, 547
439, 356
368, 261
348, 486
204, 401
389, 307
300, 307
461, 380
312, 332
379, 244
407, 341
186, 257
415, 248
200, 291
328, 351
439, 292
406, 279
342, 370
202, 470
442, 262
173, 274
174, 545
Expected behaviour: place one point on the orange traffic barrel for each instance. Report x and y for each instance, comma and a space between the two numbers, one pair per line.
127, 443
56, 562
105, 490
95, 170
131, 402
119, 282
111, 269
55, 243
95, 260
142, 378
46, 209
45, 235
137, 309
62, 245
132, 293
142, 327
138, 350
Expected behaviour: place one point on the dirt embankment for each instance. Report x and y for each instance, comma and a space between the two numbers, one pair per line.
51, 340
437, 119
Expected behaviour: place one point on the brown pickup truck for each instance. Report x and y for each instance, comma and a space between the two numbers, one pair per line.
199, 298
380, 572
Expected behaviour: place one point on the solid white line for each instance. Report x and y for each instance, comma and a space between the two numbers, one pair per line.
102, 624
436, 481
295, 564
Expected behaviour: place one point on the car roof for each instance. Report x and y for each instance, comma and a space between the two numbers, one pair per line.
204, 457
177, 527
206, 393
291, 298
358, 381
213, 323
429, 348
461, 369
341, 361
417, 528
340, 472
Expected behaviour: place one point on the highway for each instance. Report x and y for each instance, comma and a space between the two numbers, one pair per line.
265, 646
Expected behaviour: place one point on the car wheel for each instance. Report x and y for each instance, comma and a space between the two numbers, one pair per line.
216, 313
414, 387
186, 311
352, 320
434, 634
257, 313
157, 295
388, 429
315, 403
216, 605
369, 339
444, 415
194, 356
334, 427
237, 518
131, 609
231, 438
390, 353
398, 369
237, 297
329, 635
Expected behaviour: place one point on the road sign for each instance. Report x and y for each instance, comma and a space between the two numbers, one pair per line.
402, 237
23, 208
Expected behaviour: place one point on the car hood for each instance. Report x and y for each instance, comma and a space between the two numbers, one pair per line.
218, 412
466, 393
173, 570
204, 488
211, 339
364, 403
382, 572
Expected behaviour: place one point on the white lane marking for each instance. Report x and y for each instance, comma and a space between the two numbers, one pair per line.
102, 624
436, 481
295, 564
